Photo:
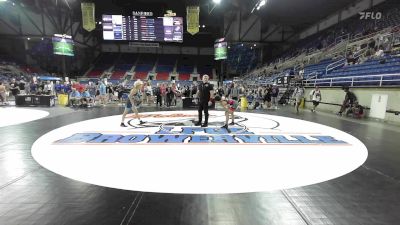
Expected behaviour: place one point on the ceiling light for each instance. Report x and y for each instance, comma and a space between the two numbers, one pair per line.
29, 38
204, 26
217, 1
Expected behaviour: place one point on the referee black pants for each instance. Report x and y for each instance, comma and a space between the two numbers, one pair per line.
203, 106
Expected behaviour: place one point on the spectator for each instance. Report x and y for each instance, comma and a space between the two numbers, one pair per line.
74, 97
85, 99
21, 87
3, 95
14, 87
163, 90
235, 92
148, 92
379, 53
274, 96
103, 93
157, 93
169, 96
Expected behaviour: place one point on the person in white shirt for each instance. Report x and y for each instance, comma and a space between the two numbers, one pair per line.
315, 96
148, 90
298, 94
379, 53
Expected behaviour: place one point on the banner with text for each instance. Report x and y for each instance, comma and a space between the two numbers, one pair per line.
193, 19
88, 18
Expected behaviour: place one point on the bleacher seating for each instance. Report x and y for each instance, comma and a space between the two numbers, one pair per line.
95, 74
127, 58
186, 64
141, 75
205, 65
123, 67
143, 68
165, 68
242, 58
117, 75
371, 67
162, 76
318, 69
184, 76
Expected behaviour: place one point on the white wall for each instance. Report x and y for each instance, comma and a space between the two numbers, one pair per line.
364, 96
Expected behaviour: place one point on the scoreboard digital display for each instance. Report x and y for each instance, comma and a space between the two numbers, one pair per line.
221, 49
135, 28
63, 45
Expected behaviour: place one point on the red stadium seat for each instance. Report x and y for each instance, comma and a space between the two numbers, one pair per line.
141, 75
117, 75
162, 76
95, 74
184, 76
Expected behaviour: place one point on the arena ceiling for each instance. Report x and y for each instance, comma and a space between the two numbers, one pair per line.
296, 14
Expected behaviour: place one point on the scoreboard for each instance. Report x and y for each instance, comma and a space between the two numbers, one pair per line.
135, 28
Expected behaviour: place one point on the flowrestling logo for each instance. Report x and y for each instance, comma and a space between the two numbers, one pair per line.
370, 15
169, 154
179, 128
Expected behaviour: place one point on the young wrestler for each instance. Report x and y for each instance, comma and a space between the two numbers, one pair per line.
134, 99
229, 107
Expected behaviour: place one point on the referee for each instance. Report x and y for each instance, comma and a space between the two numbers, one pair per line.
205, 93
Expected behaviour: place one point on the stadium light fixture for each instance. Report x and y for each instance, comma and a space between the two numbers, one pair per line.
259, 4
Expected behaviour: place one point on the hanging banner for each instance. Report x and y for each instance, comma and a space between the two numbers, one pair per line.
192, 13
88, 19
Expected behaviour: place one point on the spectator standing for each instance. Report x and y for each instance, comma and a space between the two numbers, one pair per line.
274, 96
3, 95
103, 93
157, 93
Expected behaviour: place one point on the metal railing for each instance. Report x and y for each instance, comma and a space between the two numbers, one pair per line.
355, 81
334, 65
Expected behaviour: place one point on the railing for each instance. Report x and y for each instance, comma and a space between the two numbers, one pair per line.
341, 38
366, 80
334, 65
312, 75
340, 45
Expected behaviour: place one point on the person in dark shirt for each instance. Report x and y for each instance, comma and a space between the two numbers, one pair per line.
14, 87
205, 93
21, 87
157, 93
349, 100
